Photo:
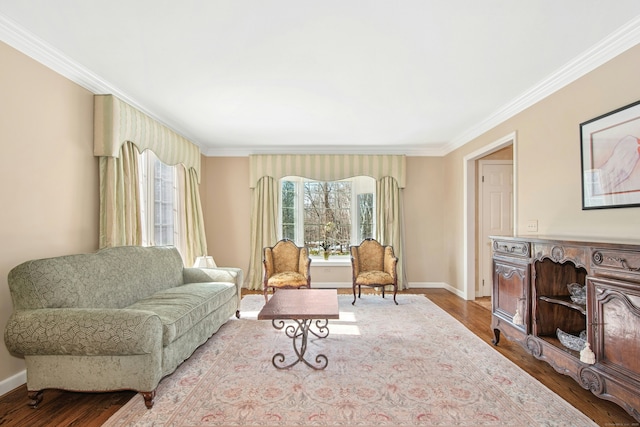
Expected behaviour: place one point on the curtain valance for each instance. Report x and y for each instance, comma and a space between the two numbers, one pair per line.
116, 122
326, 167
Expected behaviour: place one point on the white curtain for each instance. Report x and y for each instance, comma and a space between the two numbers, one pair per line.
390, 222
121, 132
264, 214
120, 216
195, 241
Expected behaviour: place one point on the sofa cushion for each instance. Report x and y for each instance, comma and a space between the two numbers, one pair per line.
182, 307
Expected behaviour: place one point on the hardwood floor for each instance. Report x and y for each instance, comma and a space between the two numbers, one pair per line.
60, 408
478, 320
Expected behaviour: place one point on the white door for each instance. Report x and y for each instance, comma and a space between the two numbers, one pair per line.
495, 214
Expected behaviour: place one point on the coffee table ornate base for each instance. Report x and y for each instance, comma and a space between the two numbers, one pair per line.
299, 334
308, 311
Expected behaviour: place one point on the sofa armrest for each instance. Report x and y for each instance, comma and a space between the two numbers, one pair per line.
83, 331
217, 274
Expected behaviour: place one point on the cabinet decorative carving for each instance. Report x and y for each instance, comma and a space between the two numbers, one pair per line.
531, 276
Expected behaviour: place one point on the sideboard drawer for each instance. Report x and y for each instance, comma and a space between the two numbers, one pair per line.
512, 248
616, 262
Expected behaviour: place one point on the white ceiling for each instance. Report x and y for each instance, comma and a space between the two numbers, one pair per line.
419, 77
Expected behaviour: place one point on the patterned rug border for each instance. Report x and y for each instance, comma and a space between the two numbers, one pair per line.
180, 395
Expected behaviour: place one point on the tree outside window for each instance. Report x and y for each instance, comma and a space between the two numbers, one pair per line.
327, 216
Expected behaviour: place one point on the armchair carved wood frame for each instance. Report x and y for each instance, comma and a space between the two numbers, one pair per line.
285, 265
373, 265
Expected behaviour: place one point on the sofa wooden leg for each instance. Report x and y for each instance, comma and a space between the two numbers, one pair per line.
238, 314
149, 398
35, 397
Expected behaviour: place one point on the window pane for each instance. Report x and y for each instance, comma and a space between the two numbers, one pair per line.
164, 184
330, 215
288, 210
365, 216
327, 215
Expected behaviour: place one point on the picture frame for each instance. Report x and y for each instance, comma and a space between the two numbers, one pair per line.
610, 155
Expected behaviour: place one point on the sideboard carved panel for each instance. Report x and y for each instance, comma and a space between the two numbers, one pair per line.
531, 277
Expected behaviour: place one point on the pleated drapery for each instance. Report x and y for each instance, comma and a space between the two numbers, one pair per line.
120, 216
388, 170
121, 132
390, 222
195, 237
264, 214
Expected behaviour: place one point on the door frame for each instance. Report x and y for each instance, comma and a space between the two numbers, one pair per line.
480, 246
469, 207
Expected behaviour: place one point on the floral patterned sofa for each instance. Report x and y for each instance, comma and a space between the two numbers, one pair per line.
118, 319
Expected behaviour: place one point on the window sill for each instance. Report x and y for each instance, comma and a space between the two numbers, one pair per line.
331, 262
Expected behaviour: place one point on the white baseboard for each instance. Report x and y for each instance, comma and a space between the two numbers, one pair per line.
412, 285
11, 383
436, 285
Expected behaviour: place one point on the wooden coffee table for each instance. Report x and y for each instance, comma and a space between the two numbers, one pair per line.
306, 307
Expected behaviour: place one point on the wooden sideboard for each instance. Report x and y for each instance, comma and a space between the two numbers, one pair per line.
531, 302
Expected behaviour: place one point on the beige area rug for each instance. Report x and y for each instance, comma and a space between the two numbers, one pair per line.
405, 365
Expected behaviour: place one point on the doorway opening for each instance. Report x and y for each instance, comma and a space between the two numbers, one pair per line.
494, 211
471, 207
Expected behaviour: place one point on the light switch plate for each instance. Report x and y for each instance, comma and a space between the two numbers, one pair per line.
532, 226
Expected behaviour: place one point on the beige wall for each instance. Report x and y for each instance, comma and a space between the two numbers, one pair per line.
424, 214
49, 176
548, 163
227, 207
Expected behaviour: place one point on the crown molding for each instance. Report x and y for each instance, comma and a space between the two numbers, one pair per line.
616, 43
621, 40
29, 44
407, 150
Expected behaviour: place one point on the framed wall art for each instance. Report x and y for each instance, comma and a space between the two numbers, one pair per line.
610, 151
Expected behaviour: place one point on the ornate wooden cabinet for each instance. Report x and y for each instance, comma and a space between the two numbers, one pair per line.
532, 305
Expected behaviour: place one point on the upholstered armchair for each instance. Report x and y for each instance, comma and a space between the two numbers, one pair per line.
285, 266
373, 265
